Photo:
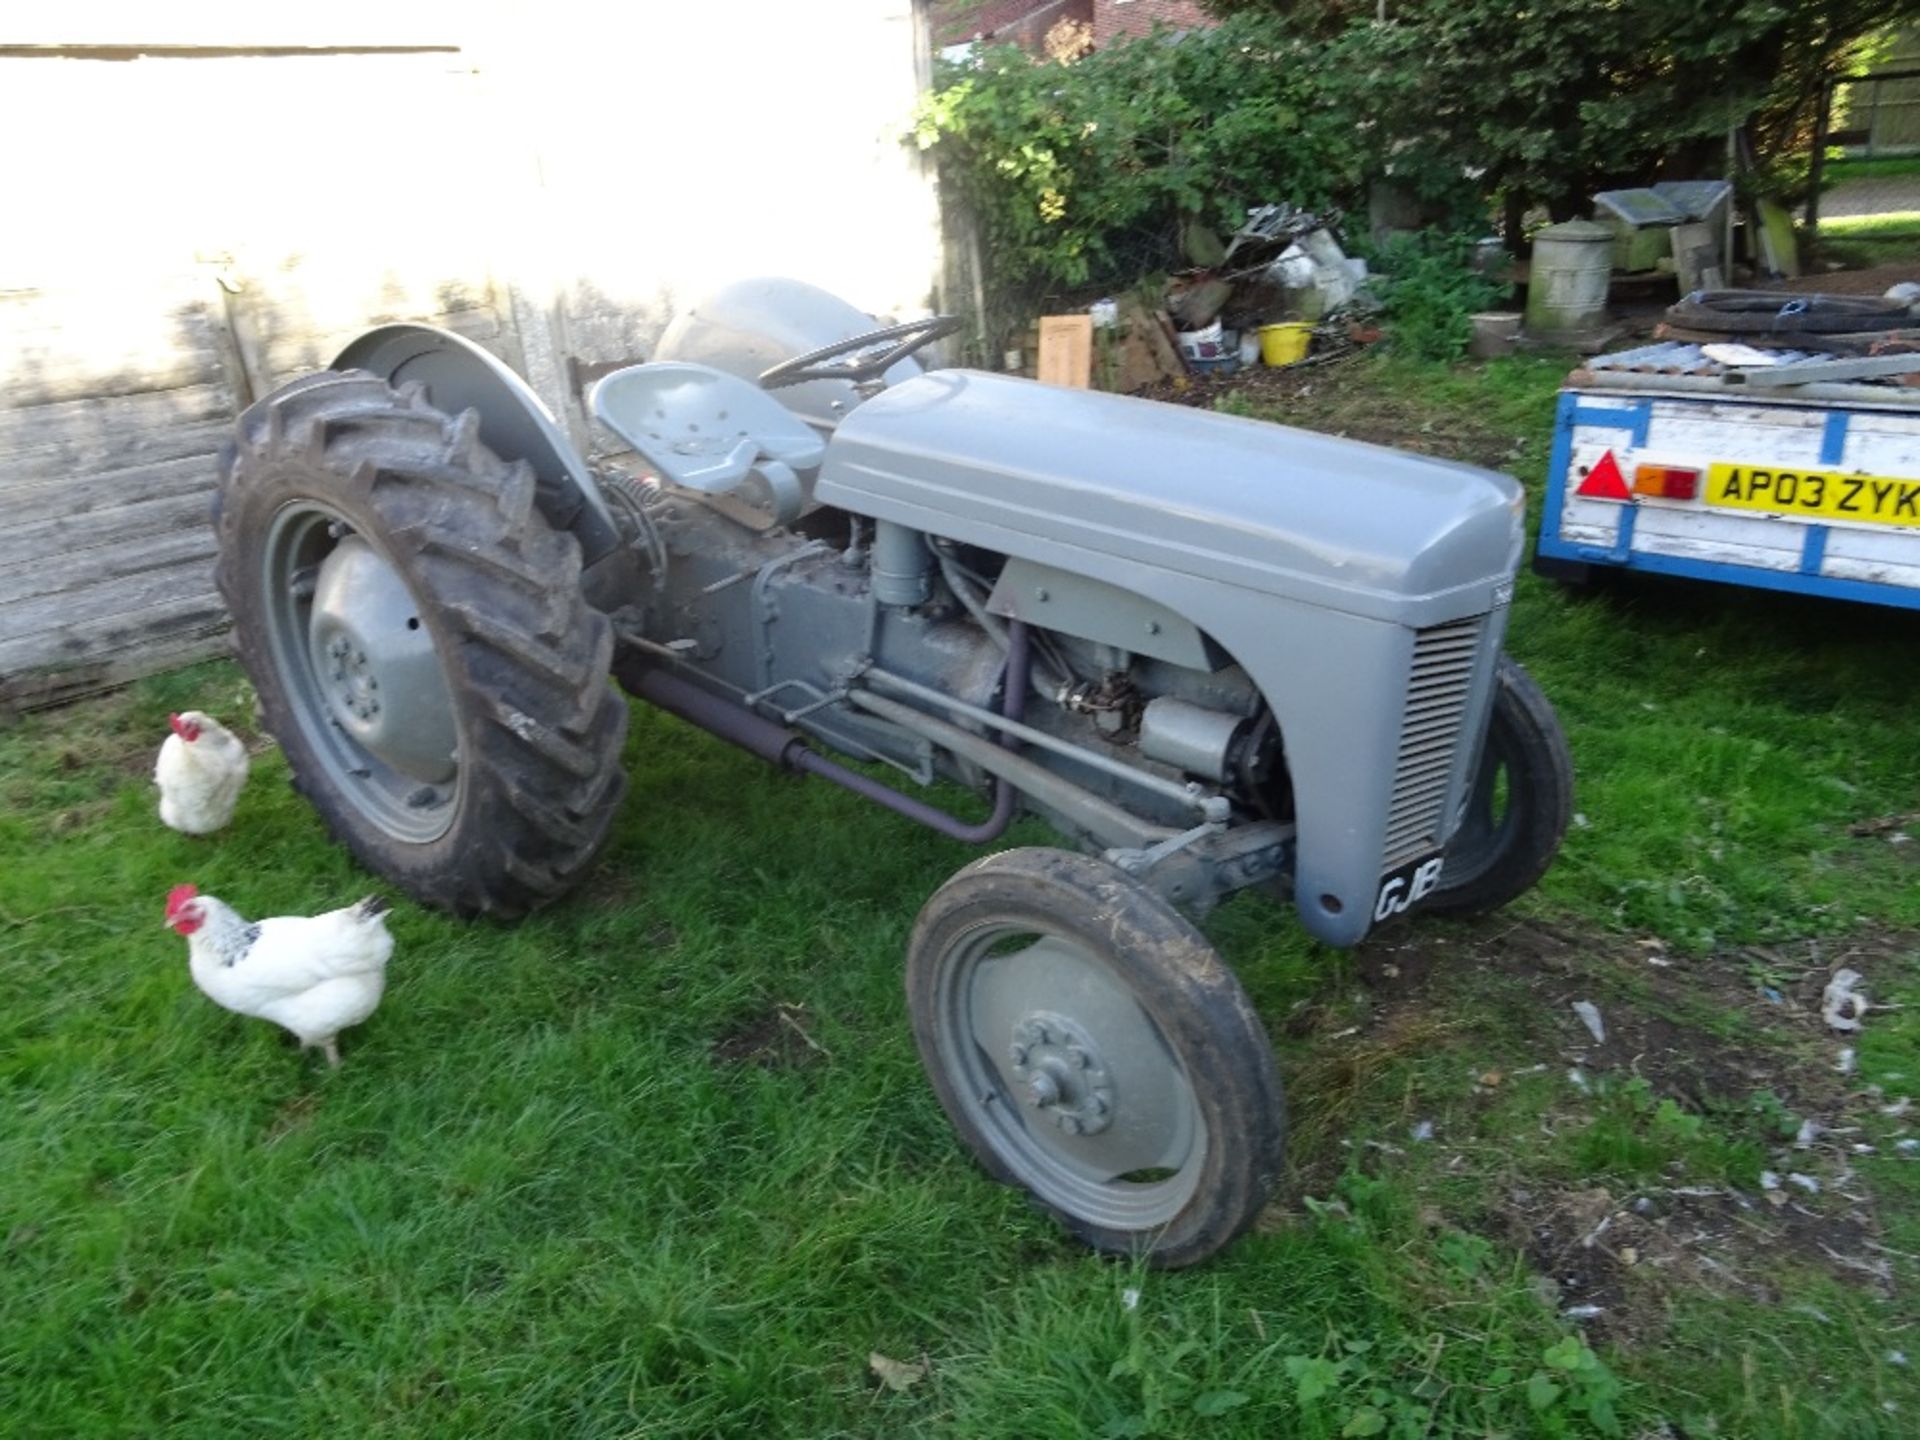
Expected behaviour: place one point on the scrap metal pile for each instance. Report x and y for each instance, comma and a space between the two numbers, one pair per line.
1283, 270
1834, 347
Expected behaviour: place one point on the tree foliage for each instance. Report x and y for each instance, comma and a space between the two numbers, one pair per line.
1083, 173
1075, 171
1550, 102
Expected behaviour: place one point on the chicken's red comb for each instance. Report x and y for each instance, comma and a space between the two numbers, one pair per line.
185, 729
178, 897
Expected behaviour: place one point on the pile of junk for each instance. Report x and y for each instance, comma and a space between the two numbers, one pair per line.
1278, 292
1811, 346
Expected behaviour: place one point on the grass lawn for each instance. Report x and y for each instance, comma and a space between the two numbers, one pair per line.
1862, 242
661, 1162
1879, 167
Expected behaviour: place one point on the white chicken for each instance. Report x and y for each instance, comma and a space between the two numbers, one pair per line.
314, 975
200, 770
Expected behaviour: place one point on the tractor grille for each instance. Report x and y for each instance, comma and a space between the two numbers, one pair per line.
1443, 662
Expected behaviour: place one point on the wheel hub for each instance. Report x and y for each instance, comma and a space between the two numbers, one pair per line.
1059, 1069
377, 671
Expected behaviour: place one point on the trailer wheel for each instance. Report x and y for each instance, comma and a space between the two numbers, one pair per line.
1091, 1047
1518, 810
419, 642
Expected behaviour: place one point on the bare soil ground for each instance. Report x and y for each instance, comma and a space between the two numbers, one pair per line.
1706, 1034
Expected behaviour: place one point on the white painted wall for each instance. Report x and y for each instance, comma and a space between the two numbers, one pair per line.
680, 147
185, 231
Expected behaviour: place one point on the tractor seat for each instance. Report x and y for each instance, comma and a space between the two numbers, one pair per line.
709, 431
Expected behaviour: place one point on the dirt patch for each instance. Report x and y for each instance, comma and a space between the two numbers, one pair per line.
778, 1038
614, 886
1874, 281
1715, 1036
1314, 390
1609, 1259
294, 1114
1701, 1029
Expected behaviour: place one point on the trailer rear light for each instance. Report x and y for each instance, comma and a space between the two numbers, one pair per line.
1604, 481
1668, 482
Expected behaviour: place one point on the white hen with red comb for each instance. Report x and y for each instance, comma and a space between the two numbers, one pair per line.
200, 770
314, 975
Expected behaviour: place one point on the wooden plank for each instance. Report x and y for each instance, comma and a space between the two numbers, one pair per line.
1066, 350
1869, 366
110, 525
50, 499
47, 374
109, 449
37, 673
64, 344
79, 424
109, 669
26, 574
40, 626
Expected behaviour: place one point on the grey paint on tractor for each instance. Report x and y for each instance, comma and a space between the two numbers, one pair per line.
1311, 560
1215, 653
752, 325
514, 424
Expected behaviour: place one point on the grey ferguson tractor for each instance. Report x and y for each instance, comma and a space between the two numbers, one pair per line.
1212, 653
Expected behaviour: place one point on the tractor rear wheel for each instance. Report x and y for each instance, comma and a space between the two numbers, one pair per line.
421, 648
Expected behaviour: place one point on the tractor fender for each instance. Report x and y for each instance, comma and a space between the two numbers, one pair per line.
514, 423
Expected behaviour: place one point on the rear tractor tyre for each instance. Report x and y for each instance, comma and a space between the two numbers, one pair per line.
1091, 1048
421, 648
1519, 806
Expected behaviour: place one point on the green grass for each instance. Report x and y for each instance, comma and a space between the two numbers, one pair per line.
1896, 225
580, 1176
1863, 242
1879, 167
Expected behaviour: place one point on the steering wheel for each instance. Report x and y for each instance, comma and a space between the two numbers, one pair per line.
899, 341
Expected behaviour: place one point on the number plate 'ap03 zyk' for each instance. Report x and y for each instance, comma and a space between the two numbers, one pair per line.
1870, 499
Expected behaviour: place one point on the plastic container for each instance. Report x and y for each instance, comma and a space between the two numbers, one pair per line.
1567, 282
1220, 365
1209, 343
1285, 344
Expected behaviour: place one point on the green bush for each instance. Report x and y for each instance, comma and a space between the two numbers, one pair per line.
1428, 291
1085, 173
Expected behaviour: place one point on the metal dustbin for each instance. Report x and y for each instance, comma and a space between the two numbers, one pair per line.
1567, 281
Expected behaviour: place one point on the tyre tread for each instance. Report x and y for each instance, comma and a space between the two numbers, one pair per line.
527, 655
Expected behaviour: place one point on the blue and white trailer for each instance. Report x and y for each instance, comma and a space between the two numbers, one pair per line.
1802, 474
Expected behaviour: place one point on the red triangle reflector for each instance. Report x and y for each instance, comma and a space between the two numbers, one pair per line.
1604, 481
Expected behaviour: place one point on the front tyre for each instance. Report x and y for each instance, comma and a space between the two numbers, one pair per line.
1090, 1047
1518, 809
416, 633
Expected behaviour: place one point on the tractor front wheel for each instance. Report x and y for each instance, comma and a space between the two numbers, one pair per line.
1092, 1048
419, 642
1519, 807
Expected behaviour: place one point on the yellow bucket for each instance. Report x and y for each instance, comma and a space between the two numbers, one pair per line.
1284, 344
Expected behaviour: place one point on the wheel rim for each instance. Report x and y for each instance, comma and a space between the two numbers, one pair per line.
358, 667
1066, 1074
